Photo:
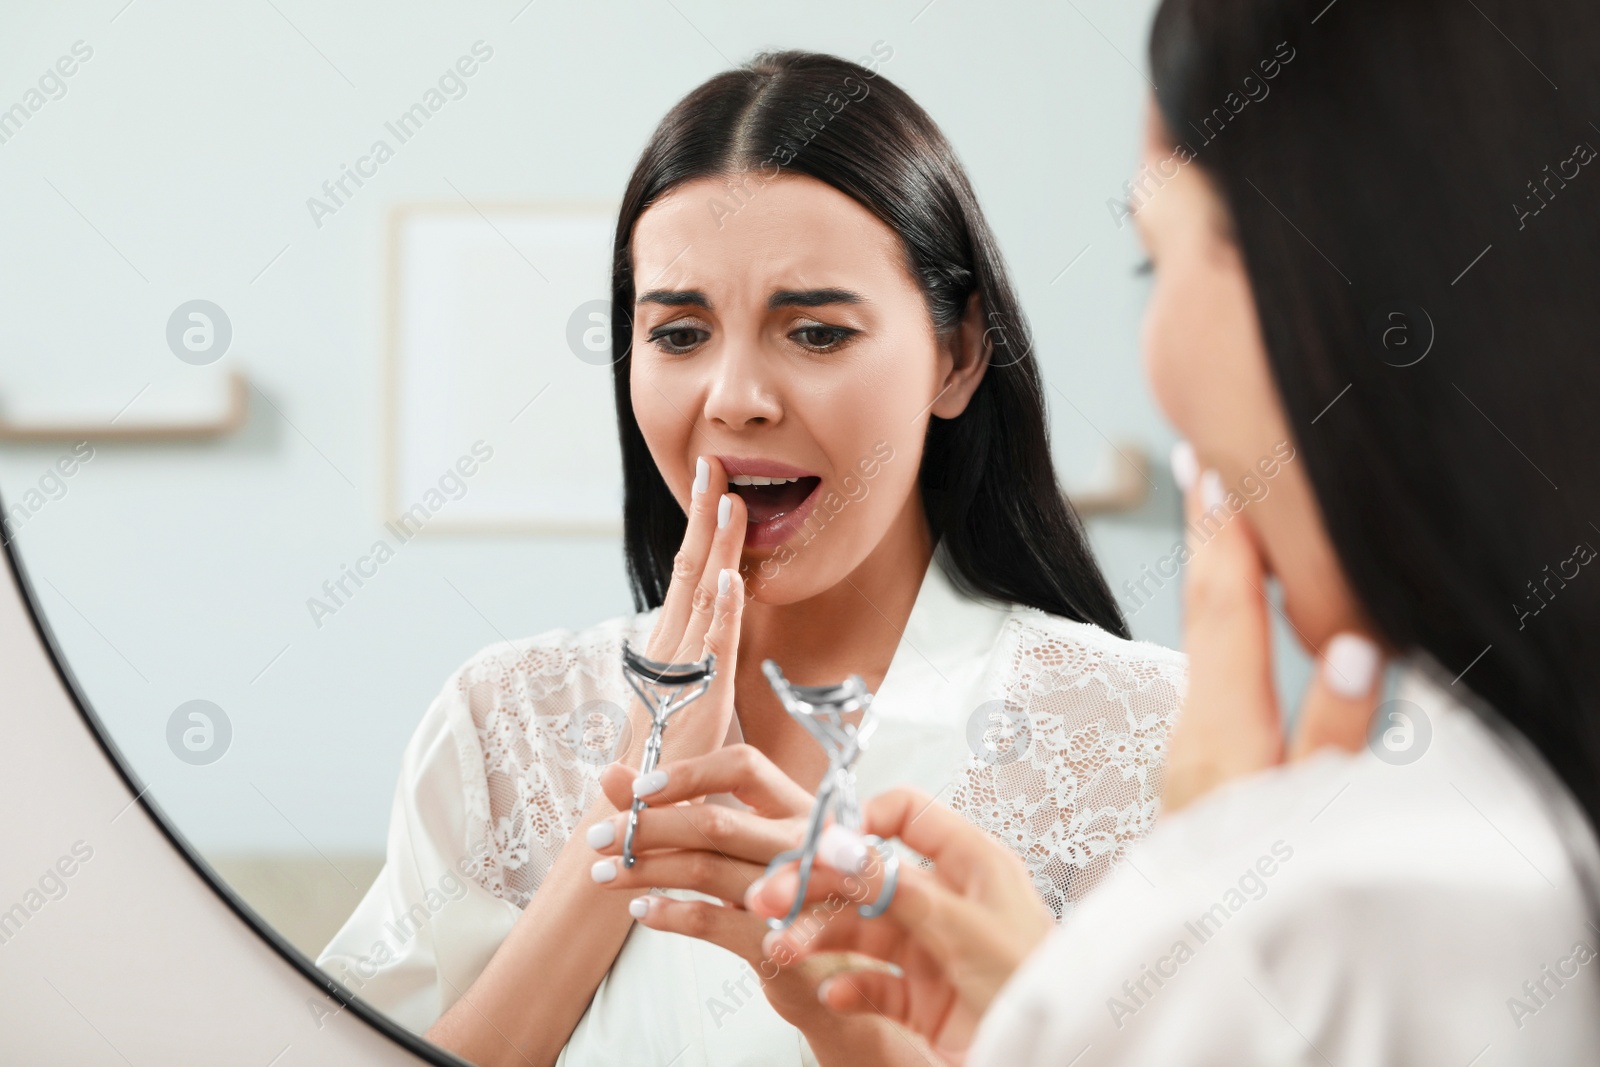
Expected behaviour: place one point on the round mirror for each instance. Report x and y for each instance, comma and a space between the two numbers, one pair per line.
313, 400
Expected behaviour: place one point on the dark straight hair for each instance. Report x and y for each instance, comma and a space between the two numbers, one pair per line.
1418, 210
1005, 529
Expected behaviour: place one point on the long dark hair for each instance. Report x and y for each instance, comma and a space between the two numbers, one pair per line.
1410, 175
1005, 529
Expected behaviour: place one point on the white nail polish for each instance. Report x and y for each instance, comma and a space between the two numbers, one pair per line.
702, 475
823, 987
1349, 665
724, 510
843, 850
1184, 465
646, 784
1211, 492
724, 581
639, 907
602, 834
603, 871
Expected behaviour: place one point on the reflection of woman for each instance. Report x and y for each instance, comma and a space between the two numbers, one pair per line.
835, 450
1428, 897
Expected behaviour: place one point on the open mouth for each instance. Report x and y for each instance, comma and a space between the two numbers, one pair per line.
766, 499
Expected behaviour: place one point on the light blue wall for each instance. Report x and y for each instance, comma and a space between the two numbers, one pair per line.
178, 165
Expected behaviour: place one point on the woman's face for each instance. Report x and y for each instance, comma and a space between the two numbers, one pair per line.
1207, 366
787, 339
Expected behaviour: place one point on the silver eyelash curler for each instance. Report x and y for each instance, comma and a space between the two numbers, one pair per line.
821, 710
665, 688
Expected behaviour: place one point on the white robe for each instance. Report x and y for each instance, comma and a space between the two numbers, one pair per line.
1345, 910
502, 768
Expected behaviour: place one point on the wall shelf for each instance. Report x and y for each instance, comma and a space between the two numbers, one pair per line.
227, 419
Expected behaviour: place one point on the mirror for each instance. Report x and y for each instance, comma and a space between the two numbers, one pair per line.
311, 398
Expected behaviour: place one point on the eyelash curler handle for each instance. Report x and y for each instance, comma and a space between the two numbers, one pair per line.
664, 688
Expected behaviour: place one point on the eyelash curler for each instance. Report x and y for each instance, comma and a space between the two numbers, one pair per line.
665, 688
821, 710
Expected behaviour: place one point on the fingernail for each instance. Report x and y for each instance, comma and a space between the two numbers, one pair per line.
602, 834
770, 942
724, 510
639, 907
842, 849
603, 871
646, 784
1349, 665
1211, 494
753, 892
724, 581
1184, 465
823, 987
702, 475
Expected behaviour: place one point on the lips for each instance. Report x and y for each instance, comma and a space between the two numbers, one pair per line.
777, 498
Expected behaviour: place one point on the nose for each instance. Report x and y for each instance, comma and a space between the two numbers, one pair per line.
743, 392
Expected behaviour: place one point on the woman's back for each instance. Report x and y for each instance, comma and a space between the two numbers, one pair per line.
1418, 902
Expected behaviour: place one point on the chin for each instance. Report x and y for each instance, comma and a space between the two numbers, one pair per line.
768, 582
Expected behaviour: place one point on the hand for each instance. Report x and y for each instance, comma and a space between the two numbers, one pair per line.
1231, 726
700, 615
684, 843
956, 934
565, 942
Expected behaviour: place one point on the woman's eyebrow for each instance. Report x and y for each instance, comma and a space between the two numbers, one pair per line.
676, 298
810, 298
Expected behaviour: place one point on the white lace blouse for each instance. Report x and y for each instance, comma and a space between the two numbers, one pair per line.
1047, 733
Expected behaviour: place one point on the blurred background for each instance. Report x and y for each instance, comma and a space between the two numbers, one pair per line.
244, 346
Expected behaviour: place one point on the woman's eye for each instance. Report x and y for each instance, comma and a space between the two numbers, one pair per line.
677, 338
822, 338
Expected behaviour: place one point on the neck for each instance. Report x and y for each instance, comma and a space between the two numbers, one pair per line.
853, 627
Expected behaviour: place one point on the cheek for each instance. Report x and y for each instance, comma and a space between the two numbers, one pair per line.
1205, 363
666, 432
1171, 364
876, 404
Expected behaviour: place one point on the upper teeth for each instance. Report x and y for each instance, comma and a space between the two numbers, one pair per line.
756, 479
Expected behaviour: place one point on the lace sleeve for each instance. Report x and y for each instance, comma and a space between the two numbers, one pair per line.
1071, 754
549, 713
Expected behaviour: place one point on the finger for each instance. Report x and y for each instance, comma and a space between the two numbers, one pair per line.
616, 782
1230, 724
710, 827
958, 935
967, 863
877, 992
689, 565
960, 851
742, 770
727, 543
706, 727
974, 944
830, 920
731, 928
860, 992
704, 872
962, 854
1338, 706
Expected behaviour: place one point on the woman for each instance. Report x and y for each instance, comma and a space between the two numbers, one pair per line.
1423, 893
823, 381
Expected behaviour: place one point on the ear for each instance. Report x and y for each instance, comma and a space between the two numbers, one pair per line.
964, 359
